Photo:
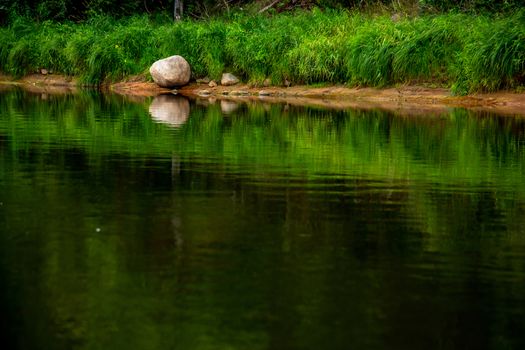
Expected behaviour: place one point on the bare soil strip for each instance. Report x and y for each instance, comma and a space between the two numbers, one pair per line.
405, 99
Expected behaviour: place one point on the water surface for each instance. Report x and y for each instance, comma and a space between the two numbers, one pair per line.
175, 224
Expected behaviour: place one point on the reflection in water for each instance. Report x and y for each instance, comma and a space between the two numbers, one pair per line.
170, 109
228, 107
309, 229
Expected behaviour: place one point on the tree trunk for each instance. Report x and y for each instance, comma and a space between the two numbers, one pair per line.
177, 10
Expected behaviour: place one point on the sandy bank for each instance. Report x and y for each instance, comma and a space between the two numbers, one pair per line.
403, 98
409, 99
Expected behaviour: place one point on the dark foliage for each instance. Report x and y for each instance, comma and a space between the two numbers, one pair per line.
60, 10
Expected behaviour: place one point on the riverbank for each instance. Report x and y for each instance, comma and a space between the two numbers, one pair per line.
465, 53
409, 99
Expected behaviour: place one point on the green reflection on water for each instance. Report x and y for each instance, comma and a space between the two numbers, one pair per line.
258, 226
459, 146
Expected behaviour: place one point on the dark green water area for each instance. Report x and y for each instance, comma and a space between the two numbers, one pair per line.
173, 224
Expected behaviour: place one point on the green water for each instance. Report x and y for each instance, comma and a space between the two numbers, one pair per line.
221, 226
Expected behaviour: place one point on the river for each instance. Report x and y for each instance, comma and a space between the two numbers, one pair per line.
174, 224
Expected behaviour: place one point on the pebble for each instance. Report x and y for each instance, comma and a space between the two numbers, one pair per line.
204, 80
239, 93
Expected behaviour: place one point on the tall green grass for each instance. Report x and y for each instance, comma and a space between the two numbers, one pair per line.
466, 52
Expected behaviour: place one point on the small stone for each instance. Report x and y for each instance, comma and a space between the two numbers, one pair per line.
287, 83
267, 82
204, 80
264, 93
225, 92
204, 93
239, 93
43, 71
229, 79
212, 84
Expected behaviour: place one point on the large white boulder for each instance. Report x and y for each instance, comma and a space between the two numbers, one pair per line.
171, 72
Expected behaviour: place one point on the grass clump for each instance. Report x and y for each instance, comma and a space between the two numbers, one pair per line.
428, 50
463, 51
494, 57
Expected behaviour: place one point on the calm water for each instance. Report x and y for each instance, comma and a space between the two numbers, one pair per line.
168, 224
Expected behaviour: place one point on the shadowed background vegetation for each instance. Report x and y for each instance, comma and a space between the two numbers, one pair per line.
41, 10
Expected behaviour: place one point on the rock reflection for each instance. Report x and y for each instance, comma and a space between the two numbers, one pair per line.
170, 109
228, 107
